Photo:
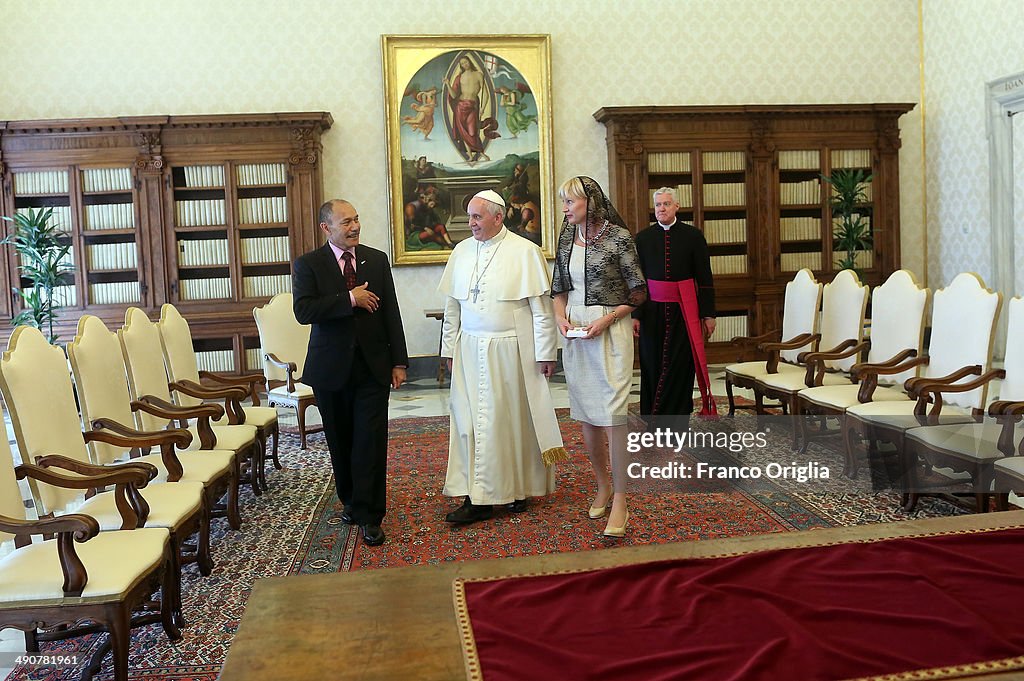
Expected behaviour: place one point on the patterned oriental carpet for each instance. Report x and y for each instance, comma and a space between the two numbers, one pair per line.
296, 529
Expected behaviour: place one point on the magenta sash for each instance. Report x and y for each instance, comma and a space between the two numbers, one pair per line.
685, 293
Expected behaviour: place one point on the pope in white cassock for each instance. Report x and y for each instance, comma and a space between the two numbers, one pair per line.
500, 339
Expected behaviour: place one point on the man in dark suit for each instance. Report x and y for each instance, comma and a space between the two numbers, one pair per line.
356, 354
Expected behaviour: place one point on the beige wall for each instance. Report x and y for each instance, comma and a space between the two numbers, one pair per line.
114, 57
967, 44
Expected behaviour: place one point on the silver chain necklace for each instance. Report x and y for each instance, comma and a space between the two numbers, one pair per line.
476, 287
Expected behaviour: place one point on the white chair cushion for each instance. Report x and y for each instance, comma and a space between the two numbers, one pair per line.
845, 396
971, 440
901, 414
755, 370
234, 438
170, 503
1014, 465
200, 466
260, 417
114, 561
793, 381
303, 390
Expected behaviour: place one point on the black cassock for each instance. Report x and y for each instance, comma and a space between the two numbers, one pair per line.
666, 358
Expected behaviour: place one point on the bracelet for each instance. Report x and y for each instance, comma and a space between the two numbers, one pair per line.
615, 315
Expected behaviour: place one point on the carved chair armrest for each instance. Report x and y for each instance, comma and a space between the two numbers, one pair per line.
123, 436
127, 479
835, 353
773, 349
919, 385
889, 367
201, 412
1006, 408
69, 529
815, 361
84, 527
137, 473
931, 392
868, 373
248, 382
764, 337
232, 397
289, 367
792, 344
163, 409
193, 389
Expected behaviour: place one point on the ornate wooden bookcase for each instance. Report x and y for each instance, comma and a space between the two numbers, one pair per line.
205, 212
750, 178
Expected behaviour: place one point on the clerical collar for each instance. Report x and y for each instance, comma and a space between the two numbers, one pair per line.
668, 227
497, 237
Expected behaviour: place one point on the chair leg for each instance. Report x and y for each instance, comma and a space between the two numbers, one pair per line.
277, 436
32, 641
300, 416
170, 591
795, 416
203, 558
728, 392
1003, 501
170, 600
262, 453
850, 460
120, 640
234, 517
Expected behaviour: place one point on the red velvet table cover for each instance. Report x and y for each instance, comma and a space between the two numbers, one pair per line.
887, 607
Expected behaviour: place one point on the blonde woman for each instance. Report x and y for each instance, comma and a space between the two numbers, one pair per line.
597, 283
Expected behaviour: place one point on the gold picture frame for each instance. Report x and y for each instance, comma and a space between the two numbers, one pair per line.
464, 114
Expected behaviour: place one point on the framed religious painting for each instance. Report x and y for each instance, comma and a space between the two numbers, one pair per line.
465, 114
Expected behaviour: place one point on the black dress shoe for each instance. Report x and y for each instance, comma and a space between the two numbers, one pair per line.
373, 535
346, 516
518, 506
469, 513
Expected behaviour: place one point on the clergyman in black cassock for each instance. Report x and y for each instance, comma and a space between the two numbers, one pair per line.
671, 250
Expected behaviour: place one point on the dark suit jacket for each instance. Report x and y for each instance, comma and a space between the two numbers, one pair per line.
321, 298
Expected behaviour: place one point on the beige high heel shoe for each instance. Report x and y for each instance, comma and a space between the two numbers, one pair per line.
596, 512
617, 532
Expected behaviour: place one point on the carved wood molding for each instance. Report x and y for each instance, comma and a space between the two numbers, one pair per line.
306, 145
321, 120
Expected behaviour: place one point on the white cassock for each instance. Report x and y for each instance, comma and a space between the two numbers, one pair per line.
498, 323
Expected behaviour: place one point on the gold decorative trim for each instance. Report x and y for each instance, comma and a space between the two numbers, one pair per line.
554, 455
959, 671
469, 651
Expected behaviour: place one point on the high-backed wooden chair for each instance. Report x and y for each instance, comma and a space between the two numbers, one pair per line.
799, 334
80, 574
37, 389
284, 343
898, 316
98, 369
841, 326
973, 448
185, 376
148, 383
963, 325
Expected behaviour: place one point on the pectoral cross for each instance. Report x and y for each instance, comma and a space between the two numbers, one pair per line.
475, 291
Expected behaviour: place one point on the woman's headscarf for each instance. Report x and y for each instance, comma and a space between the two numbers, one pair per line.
599, 206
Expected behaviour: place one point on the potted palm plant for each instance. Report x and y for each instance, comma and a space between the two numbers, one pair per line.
851, 227
43, 253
